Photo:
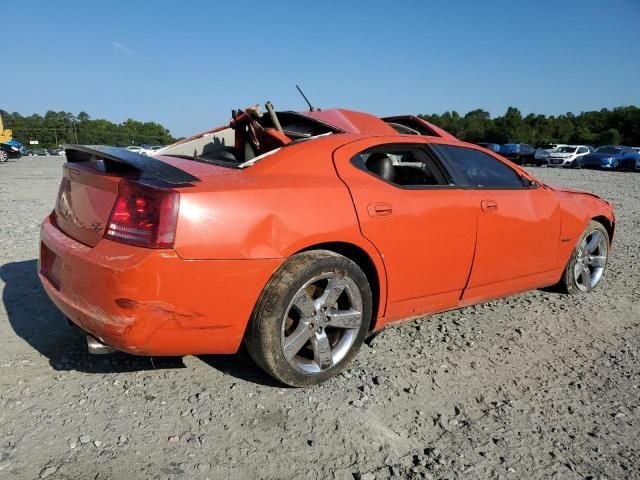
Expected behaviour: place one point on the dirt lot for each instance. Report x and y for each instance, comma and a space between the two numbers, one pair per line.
536, 386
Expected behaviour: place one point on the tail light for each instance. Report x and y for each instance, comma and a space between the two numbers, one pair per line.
143, 216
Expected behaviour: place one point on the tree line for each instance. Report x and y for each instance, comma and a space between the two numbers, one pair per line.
57, 128
605, 127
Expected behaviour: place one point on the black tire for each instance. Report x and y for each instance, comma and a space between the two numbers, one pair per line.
568, 282
263, 337
4, 156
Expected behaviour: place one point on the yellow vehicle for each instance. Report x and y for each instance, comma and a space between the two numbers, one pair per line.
5, 134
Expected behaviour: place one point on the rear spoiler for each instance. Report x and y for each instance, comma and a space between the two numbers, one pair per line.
418, 126
151, 166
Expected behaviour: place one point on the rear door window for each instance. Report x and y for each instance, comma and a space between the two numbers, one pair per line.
406, 166
479, 169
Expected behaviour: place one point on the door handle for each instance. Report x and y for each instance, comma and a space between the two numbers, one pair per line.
380, 209
489, 205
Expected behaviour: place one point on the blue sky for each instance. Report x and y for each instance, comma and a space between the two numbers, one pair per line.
187, 64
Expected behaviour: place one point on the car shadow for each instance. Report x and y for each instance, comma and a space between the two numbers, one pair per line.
36, 320
242, 367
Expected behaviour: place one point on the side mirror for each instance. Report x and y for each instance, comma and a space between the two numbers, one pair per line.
530, 183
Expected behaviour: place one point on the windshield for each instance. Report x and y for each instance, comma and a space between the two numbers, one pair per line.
567, 150
549, 146
608, 150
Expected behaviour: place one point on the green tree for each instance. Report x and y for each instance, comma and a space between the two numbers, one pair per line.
620, 125
57, 128
476, 124
610, 136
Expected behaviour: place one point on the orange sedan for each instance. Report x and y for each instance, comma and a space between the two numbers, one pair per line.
300, 234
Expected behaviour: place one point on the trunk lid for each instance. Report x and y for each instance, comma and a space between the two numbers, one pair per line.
91, 177
85, 201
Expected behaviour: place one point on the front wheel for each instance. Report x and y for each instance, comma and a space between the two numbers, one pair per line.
311, 318
4, 156
588, 261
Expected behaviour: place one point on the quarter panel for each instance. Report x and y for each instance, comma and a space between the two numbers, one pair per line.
287, 202
278, 206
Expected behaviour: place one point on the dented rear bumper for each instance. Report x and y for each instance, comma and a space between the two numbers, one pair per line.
151, 302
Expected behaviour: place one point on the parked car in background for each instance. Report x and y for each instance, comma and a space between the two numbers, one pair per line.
150, 149
15, 143
135, 148
145, 149
518, 153
39, 152
609, 157
542, 154
633, 164
154, 149
7, 151
631, 161
567, 155
494, 147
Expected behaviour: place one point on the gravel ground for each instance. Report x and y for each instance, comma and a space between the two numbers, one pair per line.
540, 385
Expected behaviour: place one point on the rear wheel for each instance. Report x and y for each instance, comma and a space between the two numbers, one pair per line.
588, 261
311, 318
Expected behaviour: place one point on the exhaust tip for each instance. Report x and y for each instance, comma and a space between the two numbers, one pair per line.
96, 347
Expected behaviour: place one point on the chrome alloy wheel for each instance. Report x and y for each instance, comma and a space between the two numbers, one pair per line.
322, 322
591, 259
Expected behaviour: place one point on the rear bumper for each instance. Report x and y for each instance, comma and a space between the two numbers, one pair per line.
151, 302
